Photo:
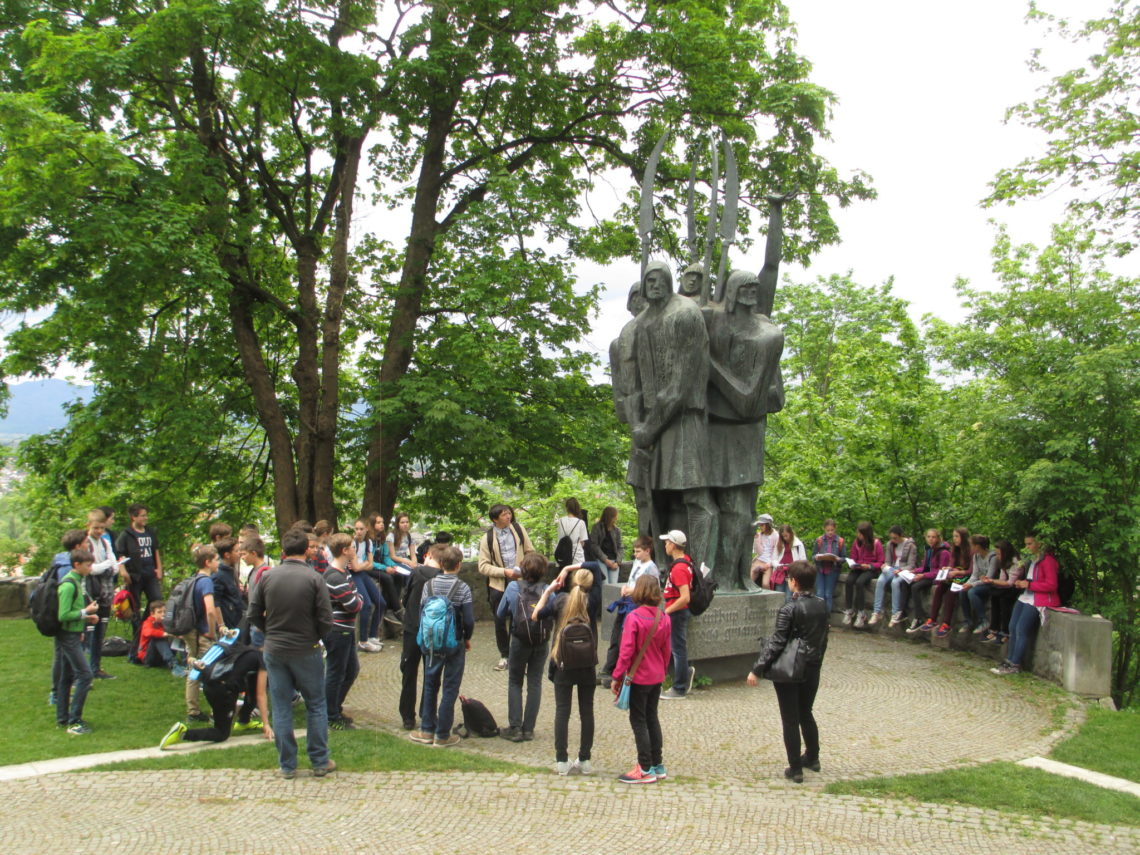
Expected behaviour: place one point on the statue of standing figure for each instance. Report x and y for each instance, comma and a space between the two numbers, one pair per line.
696, 385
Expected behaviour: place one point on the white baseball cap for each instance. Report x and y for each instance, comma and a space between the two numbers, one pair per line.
676, 537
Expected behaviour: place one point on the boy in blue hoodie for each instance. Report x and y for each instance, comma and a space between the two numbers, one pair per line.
73, 673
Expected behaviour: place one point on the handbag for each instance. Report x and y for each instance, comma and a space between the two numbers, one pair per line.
791, 665
622, 702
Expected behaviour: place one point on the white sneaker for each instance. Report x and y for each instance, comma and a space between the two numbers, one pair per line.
563, 767
860, 621
913, 628
896, 619
502, 666
377, 644
848, 617
875, 618
584, 767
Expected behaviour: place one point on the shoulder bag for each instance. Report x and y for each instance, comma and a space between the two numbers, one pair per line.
791, 665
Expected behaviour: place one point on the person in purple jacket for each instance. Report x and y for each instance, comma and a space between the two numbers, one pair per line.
936, 557
866, 562
646, 678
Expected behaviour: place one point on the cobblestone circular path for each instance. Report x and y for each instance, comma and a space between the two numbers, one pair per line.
880, 708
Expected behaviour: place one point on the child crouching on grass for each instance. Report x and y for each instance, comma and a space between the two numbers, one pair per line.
154, 643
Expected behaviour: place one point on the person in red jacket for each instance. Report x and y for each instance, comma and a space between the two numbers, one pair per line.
1038, 592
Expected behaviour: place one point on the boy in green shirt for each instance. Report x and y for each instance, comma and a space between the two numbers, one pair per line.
76, 612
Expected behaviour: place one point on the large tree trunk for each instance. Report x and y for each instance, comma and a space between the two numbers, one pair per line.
306, 375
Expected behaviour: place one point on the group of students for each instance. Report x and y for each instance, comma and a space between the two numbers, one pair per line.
966, 571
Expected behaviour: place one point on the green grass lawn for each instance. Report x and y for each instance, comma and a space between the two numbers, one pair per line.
1108, 742
137, 708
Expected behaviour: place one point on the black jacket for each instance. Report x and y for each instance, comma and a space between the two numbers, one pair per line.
804, 616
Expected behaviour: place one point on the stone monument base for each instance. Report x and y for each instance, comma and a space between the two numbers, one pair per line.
725, 640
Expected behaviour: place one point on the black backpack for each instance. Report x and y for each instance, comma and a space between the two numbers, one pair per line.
179, 618
577, 647
522, 627
44, 602
701, 590
477, 719
564, 552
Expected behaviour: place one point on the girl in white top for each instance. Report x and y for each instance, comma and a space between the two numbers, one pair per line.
401, 545
573, 526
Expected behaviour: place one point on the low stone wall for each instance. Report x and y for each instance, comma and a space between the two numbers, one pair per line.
14, 593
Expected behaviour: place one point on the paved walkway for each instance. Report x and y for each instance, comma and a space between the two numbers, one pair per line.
726, 791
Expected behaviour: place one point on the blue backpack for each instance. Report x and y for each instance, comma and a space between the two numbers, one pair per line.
437, 635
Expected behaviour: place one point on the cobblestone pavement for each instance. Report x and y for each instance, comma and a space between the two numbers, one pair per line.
725, 791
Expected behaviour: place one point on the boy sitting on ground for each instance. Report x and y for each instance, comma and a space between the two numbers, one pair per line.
154, 643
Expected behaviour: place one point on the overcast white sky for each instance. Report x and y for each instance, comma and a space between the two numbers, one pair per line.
922, 91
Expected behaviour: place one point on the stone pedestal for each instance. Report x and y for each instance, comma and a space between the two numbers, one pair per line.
14, 593
725, 640
1075, 651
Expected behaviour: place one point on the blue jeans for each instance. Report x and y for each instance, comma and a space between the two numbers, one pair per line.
73, 671
304, 673
783, 588
825, 586
1022, 630
438, 717
680, 635
888, 576
529, 661
974, 603
158, 654
342, 668
372, 609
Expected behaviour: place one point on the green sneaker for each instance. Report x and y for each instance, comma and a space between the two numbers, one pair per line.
659, 772
248, 727
173, 736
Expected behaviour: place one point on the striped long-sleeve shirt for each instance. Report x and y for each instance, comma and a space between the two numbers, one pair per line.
345, 600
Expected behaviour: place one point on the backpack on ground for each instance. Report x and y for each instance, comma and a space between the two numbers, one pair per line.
477, 719
115, 645
179, 617
437, 635
577, 647
701, 591
44, 602
522, 627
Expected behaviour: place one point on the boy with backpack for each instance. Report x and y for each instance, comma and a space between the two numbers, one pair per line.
208, 623
447, 619
71, 669
527, 654
678, 584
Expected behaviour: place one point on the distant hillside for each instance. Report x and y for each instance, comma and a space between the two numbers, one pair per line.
37, 407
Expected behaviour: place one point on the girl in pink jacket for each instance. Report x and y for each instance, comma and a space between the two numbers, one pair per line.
1038, 592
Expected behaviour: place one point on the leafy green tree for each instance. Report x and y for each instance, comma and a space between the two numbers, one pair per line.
1056, 352
1090, 115
863, 433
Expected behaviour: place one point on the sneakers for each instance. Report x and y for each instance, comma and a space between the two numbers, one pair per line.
814, 765
321, 771
376, 643
981, 629
287, 774
502, 666
860, 621
528, 736
673, 695
943, 630
965, 628
197, 716
637, 775
173, 736
448, 741
79, 728
562, 767
103, 675
392, 619
849, 617
928, 626
511, 734
582, 767
341, 723
796, 775
421, 737
692, 677
372, 645
178, 671
914, 627
1002, 670
659, 772
876, 618
896, 619
408, 724
248, 727
991, 638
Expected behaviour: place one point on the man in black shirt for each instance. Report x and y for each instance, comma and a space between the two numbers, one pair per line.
139, 543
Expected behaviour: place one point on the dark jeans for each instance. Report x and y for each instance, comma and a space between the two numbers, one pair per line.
564, 684
341, 668
95, 635
646, 726
223, 704
438, 711
502, 636
390, 589
914, 590
1022, 630
858, 581
409, 675
73, 672
1002, 602
680, 635
158, 654
371, 609
796, 700
945, 599
524, 660
152, 587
